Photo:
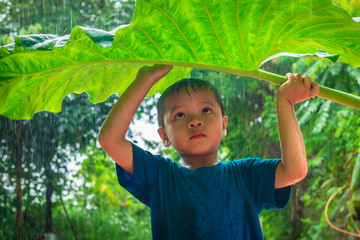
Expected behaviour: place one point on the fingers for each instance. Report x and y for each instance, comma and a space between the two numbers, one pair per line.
298, 77
290, 76
311, 88
153, 73
156, 66
314, 89
295, 77
303, 80
307, 82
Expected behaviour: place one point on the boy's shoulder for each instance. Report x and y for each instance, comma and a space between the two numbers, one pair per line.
146, 157
253, 162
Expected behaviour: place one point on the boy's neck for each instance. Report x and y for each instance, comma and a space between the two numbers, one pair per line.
192, 162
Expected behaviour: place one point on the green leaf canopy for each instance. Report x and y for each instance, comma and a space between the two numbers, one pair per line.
38, 71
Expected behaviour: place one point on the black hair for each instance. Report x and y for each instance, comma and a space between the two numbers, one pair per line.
192, 83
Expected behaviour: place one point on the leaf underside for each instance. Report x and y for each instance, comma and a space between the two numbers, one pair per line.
38, 71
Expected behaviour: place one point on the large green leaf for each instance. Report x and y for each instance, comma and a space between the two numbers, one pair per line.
230, 36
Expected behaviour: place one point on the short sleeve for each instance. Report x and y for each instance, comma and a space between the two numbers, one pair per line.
260, 178
146, 167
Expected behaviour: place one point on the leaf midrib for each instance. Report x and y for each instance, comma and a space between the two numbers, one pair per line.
178, 28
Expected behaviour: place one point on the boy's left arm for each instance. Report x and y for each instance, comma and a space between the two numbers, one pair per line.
293, 166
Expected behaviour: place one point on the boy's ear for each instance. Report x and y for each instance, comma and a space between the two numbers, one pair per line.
224, 124
164, 137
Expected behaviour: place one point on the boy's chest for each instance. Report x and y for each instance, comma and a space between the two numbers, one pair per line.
200, 204
201, 195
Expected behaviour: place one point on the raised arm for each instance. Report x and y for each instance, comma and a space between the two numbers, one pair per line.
293, 166
112, 133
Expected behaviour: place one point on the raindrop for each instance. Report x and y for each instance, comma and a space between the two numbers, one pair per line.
71, 19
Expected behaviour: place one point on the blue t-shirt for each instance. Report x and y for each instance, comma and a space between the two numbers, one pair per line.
218, 202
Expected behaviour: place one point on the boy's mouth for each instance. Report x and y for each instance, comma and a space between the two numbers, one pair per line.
197, 135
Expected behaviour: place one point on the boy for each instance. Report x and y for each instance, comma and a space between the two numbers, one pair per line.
204, 198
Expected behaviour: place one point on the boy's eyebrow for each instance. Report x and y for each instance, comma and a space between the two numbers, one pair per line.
207, 102
172, 110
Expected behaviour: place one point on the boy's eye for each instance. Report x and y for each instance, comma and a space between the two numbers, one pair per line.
179, 115
206, 111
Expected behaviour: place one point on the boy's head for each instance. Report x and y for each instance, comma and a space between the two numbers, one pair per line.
191, 119
185, 84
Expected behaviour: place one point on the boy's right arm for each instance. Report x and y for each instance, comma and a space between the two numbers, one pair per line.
112, 133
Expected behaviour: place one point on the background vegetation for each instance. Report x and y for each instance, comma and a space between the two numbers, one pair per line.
55, 177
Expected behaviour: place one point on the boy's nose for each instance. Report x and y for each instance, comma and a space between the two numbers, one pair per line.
195, 123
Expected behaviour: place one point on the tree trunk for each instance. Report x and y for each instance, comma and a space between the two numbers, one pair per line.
68, 217
48, 212
294, 214
297, 208
18, 162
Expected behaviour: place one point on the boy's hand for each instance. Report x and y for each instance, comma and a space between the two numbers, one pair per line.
153, 73
298, 89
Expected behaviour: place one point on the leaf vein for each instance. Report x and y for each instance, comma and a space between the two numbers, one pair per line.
216, 33
155, 44
286, 24
257, 34
178, 28
131, 52
91, 50
41, 52
69, 79
87, 77
319, 39
240, 34
108, 88
312, 26
33, 89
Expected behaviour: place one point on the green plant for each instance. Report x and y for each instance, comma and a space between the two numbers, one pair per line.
235, 37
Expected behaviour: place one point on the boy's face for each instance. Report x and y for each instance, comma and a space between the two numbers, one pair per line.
194, 124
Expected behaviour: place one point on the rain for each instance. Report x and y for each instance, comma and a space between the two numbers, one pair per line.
58, 183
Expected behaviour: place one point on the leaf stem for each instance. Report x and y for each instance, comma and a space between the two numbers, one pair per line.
334, 95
